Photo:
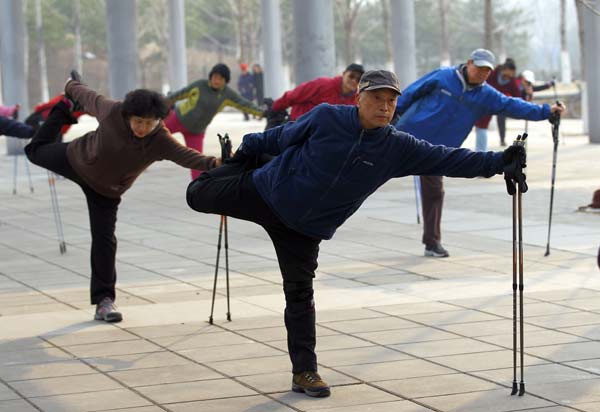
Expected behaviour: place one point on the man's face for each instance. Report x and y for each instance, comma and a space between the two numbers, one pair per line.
376, 107
142, 126
217, 81
350, 81
477, 75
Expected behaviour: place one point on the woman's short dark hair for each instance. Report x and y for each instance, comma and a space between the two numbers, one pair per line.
509, 64
145, 103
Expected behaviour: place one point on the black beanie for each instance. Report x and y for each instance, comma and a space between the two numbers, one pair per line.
221, 69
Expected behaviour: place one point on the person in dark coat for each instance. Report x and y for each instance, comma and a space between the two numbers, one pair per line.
259, 86
327, 164
246, 86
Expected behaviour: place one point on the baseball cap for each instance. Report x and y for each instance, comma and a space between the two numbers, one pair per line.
483, 58
379, 79
528, 76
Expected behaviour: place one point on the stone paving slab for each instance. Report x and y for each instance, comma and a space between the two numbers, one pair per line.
396, 331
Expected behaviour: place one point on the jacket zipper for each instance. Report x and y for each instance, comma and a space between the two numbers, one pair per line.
337, 177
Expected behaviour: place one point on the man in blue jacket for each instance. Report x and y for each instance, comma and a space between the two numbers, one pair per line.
327, 163
441, 108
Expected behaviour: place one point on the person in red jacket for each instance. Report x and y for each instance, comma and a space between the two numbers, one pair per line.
503, 78
42, 111
333, 90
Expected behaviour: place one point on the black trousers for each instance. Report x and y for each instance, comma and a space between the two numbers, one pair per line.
229, 190
46, 151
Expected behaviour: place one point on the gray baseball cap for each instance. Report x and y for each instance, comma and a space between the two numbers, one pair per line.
483, 58
379, 79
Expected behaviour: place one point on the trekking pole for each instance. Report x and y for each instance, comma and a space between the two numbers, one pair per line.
16, 171
417, 185
212, 306
56, 212
514, 288
520, 192
227, 266
225, 143
555, 119
27, 168
516, 186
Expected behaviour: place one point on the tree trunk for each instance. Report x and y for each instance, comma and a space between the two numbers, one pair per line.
41, 51
389, 57
580, 6
565, 60
77, 52
488, 26
444, 6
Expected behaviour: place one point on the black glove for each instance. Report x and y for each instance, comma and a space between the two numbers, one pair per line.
75, 76
514, 159
515, 153
225, 146
239, 157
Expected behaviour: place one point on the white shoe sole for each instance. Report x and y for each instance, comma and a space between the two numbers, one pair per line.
430, 253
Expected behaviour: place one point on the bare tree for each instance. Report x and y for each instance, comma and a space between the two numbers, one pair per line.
444, 6
348, 12
488, 25
387, 37
565, 60
78, 58
153, 43
579, 5
41, 51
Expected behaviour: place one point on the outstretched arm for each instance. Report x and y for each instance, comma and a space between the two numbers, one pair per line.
93, 103
419, 157
302, 93
184, 156
13, 128
235, 100
516, 107
276, 140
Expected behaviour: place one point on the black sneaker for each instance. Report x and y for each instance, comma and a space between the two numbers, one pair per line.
436, 250
311, 384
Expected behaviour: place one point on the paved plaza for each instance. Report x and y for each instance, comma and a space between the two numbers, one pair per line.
397, 332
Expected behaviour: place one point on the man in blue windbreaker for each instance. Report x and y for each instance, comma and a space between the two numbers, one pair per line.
441, 108
327, 163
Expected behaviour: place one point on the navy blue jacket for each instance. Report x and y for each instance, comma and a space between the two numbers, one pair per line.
442, 109
327, 165
11, 127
